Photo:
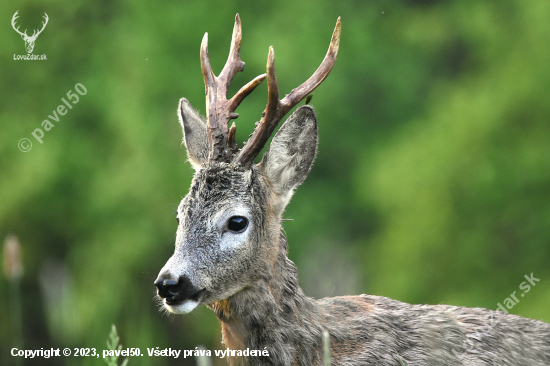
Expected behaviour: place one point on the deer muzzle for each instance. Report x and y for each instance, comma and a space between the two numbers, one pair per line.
180, 295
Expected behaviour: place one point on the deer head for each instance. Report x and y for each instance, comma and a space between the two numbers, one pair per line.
29, 41
228, 236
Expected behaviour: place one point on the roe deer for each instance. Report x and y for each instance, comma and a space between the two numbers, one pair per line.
231, 255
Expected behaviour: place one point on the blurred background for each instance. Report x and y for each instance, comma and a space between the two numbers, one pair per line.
432, 182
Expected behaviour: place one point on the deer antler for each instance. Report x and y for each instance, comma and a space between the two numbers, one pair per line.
35, 34
24, 34
220, 110
276, 109
15, 16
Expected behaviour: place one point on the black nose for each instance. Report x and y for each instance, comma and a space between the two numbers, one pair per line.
176, 290
166, 287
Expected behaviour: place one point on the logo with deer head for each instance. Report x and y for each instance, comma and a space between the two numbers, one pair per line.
29, 40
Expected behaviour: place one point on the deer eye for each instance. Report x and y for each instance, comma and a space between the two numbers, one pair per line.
237, 224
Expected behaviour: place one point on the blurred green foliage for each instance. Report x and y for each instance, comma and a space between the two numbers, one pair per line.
432, 182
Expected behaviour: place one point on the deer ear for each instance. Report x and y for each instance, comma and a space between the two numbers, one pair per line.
194, 134
290, 156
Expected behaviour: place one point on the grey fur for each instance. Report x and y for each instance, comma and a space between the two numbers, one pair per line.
252, 286
194, 133
290, 156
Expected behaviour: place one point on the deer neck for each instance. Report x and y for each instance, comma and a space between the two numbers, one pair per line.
273, 313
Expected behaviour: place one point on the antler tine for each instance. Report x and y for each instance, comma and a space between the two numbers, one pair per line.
220, 110
43, 24
207, 73
273, 102
276, 109
269, 119
318, 76
245, 91
13, 19
234, 63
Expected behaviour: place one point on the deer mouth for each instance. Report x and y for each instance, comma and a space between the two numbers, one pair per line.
184, 305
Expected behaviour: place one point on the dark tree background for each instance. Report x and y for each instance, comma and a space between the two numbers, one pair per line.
432, 182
